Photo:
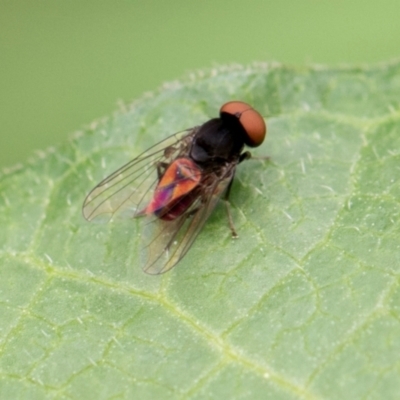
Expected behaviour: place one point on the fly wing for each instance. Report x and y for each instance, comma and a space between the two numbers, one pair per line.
129, 188
166, 242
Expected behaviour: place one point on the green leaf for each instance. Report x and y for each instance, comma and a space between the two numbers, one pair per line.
305, 304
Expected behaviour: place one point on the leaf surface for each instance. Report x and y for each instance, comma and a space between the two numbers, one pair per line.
305, 304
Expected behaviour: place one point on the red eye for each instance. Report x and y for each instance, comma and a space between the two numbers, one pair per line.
251, 120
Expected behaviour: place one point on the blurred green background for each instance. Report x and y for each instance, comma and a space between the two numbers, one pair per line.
65, 63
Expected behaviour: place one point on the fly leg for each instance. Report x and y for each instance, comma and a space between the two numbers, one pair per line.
244, 156
228, 210
247, 155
